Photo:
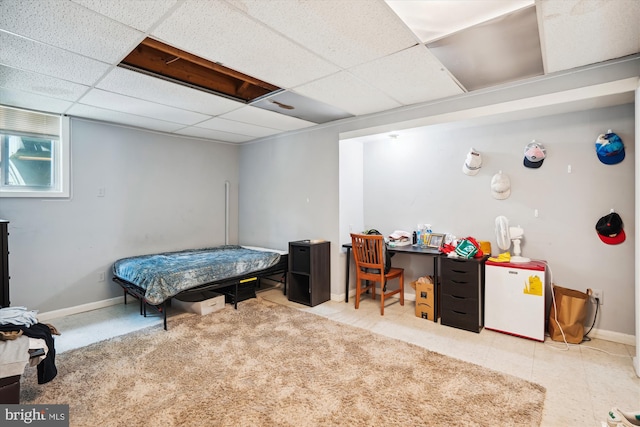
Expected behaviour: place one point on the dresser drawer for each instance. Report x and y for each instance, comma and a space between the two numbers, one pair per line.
460, 289
459, 265
460, 304
460, 320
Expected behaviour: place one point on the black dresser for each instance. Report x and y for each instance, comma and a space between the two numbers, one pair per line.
462, 293
4, 263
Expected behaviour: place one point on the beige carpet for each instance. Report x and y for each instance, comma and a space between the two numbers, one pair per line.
271, 365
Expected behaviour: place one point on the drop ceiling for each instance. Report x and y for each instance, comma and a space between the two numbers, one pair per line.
332, 59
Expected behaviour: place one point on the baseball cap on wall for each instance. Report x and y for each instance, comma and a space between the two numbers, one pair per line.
610, 230
534, 155
500, 186
472, 163
610, 148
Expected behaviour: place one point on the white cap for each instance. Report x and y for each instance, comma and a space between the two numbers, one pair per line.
500, 186
472, 163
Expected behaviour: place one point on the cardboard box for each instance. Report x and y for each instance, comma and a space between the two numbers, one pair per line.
200, 302
425, 300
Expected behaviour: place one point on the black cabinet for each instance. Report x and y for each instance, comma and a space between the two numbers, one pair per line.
309, 277
461, 293
4, 263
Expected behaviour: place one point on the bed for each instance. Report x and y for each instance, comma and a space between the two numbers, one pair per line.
155, 279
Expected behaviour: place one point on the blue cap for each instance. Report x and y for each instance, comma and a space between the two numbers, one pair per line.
610, 149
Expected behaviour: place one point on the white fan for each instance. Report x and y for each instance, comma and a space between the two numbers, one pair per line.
505, 235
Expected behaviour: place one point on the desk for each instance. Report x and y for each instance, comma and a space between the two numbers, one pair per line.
409, 249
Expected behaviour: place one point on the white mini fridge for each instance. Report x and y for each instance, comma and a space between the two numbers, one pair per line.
514, 299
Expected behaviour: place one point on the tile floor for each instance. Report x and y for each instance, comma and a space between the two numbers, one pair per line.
582, 383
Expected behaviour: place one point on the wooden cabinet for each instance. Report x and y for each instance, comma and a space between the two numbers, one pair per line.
309, 277
461, 293
4, 263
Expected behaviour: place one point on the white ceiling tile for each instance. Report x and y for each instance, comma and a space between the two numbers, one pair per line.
346, 33
349, 93
139, 14
214, 134
95, 113
69, 26
576, 33
411, 76
240, 128
266, 118
220, 33
18, 52
127, 104
132, 83
32, 101
12, 78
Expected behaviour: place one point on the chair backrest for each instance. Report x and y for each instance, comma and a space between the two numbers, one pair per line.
368, 251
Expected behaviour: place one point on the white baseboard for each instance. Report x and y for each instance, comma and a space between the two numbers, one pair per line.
613, 336
46, 316
43, 317
595, 333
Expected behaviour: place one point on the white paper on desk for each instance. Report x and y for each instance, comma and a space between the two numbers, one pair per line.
399, 234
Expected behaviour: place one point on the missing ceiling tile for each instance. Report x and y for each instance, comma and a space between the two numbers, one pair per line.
160, 60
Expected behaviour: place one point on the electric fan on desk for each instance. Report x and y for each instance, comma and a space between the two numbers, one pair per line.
505, 235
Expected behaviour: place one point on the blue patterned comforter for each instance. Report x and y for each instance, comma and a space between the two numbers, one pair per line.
167, 274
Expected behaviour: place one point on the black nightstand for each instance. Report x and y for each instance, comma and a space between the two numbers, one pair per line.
309, 277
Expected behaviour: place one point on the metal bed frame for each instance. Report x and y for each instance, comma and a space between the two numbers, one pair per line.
281, 267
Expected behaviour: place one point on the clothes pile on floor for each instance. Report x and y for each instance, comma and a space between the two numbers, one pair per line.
17, 321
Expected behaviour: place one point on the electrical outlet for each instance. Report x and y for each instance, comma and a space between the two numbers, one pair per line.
597, 293
101, 276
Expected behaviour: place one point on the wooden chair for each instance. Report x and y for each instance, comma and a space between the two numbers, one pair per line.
368, 252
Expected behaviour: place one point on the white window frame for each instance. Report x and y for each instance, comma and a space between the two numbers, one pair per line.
61, 169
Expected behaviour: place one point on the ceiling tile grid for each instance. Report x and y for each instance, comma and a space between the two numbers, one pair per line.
345, 33
265, 118
140, 107
349, 93
131, 83
22, 53
215, 135
124, 118
69, 26
139, 14
333, 58
33, 101
428, 79
577, 33
220, 33
40, 84
239, 128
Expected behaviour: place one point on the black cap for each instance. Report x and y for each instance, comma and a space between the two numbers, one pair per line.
609, 229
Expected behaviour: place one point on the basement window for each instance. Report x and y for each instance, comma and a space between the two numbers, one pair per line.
34, 154
160, 60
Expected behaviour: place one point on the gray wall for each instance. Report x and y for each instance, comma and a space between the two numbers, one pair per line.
431, 188
278, 174
161, 193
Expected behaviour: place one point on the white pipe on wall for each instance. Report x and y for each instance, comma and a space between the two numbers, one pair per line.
226, 212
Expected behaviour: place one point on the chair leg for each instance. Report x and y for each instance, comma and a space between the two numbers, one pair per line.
381, 302
401, 288
357, 293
